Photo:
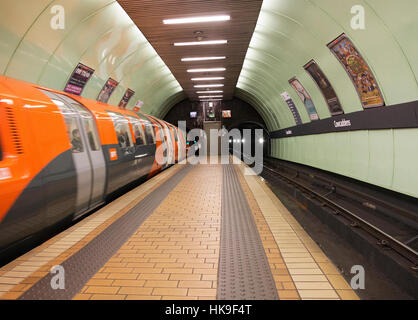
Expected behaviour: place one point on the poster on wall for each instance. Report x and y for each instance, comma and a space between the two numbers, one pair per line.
78, 79
107, 90
305, 97
138, 106
226, 113
358, 70
193, 115
286, 97
126, 97
325, 86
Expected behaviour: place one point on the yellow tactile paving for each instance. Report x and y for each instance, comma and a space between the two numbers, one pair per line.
314, 276
174, 254
19, 275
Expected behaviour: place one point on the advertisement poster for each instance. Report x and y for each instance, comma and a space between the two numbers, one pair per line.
193, 115
107, 90
126, 97
78, 79
359, 72
292, 107
305, 97
138, 106
226, 114
327, 90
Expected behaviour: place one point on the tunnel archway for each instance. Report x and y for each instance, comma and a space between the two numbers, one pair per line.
243, 116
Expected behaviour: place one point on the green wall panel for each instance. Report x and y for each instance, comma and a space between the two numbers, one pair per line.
289, 33
405, 173
359, 154
387, 158
381, 157
97, 33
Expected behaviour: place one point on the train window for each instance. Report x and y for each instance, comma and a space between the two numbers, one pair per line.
123, 132
149, 130
87, 121
175, 134
138, 131
89, 127
91, 134
164, 141
70, 119
70, 108
73, 130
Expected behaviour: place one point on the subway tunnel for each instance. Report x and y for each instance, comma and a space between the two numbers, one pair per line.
209, 150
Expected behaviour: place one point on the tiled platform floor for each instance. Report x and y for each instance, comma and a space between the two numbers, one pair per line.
174, 254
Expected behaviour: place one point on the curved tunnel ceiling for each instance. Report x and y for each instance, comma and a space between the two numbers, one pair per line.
97, 33
288, 34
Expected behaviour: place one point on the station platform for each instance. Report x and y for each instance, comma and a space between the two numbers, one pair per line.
193, 232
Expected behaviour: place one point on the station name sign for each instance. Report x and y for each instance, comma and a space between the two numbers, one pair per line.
401, 116
343, 123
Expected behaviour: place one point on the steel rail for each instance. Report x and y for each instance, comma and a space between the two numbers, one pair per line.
374, 200
383, 238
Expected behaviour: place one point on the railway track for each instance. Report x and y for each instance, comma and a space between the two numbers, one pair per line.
356, 220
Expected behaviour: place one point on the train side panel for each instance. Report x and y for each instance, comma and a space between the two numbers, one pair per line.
40, 182
38, 187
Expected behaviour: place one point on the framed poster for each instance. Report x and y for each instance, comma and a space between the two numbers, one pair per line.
138, 106
305, 97
78, 79
325, 86
126, 97
358, 71
292, 107
226, 114
107, 90
193, 114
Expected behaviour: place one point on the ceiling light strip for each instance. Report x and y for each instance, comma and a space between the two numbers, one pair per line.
209, 97
212, 91
209, 86
200, 43
206, 70
217, 18
208, 79
202, 59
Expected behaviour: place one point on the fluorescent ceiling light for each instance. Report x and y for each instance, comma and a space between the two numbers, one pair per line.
198, 19
211, 100
202, 59
213, 91
209, 86
200, 43
206, 70
208, 97
208, 79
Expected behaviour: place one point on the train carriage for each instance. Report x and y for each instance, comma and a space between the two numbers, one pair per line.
62, 155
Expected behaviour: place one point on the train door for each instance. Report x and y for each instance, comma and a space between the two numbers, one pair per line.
173, 143
181, 146
144, 150
98, 164
86, 152
162, 149
177, 144
123, 168
169, 142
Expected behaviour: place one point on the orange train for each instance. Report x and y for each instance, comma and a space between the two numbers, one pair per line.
62, 155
